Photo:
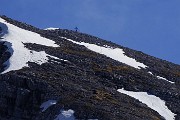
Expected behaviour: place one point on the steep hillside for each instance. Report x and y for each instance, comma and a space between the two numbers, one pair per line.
62, 74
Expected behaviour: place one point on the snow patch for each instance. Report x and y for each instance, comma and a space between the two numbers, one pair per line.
51, 28
58, 62
114, 53
47, 104
152, 102
66, 115
162, 78
20, 55
150, 73
38, 57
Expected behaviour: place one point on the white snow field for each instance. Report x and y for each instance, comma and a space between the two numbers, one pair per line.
20, 55
65, 115
114, 53
152, 102
44, 106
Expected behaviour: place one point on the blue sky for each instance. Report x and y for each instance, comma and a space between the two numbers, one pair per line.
151, 26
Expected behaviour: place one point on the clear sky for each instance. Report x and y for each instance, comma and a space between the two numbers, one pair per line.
151, 26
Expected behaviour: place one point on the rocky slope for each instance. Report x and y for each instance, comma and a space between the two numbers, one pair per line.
81, 81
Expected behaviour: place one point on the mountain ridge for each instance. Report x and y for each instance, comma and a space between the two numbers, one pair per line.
96, 77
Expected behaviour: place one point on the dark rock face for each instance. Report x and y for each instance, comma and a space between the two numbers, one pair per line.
87, 82
4, 55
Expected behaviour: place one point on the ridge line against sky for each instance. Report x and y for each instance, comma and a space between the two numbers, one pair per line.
150, 26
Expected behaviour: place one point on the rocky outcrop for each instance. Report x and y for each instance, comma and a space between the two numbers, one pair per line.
84, 81
4, 56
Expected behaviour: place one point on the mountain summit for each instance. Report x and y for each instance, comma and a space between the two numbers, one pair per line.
57, 74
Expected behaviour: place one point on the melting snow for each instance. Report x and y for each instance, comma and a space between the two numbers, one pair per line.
114, 53
47, 104
14, 38
66, 115
152, 102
